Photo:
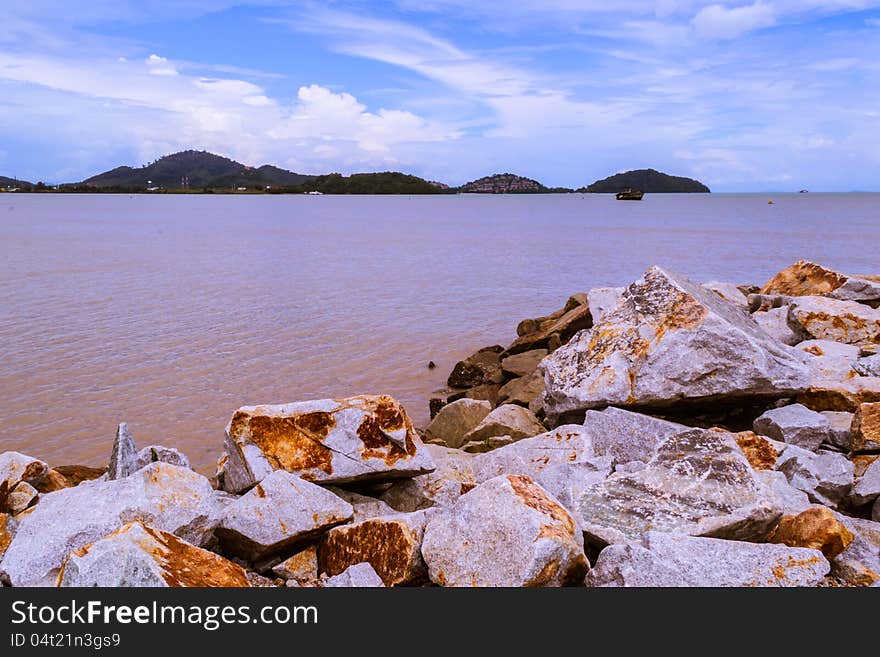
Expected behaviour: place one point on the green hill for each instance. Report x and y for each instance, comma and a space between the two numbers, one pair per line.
12, 182
649, 181
197, 169
387, 182
503, 183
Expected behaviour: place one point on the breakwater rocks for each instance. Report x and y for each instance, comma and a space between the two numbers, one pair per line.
664, 434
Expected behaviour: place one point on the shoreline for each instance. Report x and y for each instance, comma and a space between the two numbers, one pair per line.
755, 409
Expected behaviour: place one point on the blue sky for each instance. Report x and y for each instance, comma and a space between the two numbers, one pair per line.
745, 96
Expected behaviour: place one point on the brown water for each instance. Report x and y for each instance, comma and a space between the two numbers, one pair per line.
169, 312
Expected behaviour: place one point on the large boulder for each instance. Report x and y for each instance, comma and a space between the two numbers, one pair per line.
865, 428
390, 544
794, 424
328, 441
628, 436
137, 555
666, 560
859, 564
839, 321
524, 391
507, 420
805, 278
454, 420
166, 497
698, 483
815, 528
563, 462
667, 341
826, 477
481, 367
507, 531
830, 360
841, 395
522, 363
278, 513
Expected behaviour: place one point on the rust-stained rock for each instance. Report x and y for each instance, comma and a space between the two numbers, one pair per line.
758, 450
562, 329
865, 428
859, 564
698, 483
522, 363
137, 555
390, 544
76, 474
805, 278
163, 496
481, 367
841, 395
53, 481
329, 441
815, 528
5, 532
507, 531
278, 513
21, 497
302, 567
666, 560
848, 322
16, 467
454, 420
668, 341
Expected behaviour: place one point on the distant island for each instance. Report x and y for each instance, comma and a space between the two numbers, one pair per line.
649, 181
200, 172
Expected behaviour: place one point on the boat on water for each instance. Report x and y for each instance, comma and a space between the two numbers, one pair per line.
630, 194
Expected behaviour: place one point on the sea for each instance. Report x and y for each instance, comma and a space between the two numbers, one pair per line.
168, 312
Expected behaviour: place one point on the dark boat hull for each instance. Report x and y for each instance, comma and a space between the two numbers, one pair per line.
630, 196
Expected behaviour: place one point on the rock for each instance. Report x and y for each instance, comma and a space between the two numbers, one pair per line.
698, 483
507, 531
485, 392
390, 544
729, 292
627, 436
487, 445
791, 500
815, 528
157, 453
453, 477
368, 438
840, 424
277, 514
859, 564
507, 420
76, 474
867, 488
603, 299
124, 456
826, 477
865, 428
6, 526
759, 452
454, 420
868, 366
16, 467
360, 575
861, 462
301, 567
875, 511
830, 360
163, 496
794, 424
666, 560
434, 406
668, 341
523, 391
364, 506
563, 329
21, 497
849, 322
774, 322
563, 462
522, 363
481, 367
141, 556
841, 395
53, 481
806, 278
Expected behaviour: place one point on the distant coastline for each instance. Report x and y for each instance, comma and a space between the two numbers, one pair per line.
199, 172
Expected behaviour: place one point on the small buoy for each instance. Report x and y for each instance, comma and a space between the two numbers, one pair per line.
769, 202
431, 364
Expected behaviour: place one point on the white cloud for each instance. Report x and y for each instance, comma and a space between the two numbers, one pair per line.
159, 66
719, 22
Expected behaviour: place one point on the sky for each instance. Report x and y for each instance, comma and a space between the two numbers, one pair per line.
745, 96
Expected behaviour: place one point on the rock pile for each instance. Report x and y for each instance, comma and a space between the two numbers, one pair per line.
663, 434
